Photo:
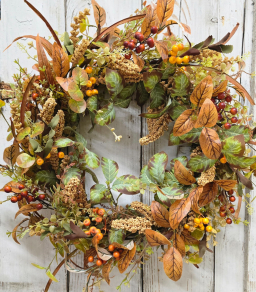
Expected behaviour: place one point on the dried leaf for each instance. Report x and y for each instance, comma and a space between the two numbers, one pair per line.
77, 232
160, 214
164, 10
155, 238
184, 123
210, 143
14, 185
231, 34
125, 259
106, 270
138, 61
149, 21
220, 88
226, 184
127, 244
238, 208
178, 210
202, 91
173, 264
162, 49
11, 153
182, 174
208, 115
26, 208
15, 230
188, 238
208, 194
194, 196
202, 246
60, 61
178, 243
186, 27
99, 13
244, 180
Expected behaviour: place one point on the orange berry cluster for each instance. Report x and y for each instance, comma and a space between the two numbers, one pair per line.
200, 223
116, 254
40, 160
93, 231
177, 60
90, 82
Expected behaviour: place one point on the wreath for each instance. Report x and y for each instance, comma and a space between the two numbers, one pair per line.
187, 89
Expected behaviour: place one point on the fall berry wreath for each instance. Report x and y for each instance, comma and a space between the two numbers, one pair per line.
184, 84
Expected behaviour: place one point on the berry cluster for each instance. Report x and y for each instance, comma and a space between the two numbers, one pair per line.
40, 161
201, 223
92, 230
226, 210
177, 60
138, 44
90, 83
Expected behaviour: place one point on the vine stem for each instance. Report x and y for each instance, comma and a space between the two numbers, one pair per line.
4, 117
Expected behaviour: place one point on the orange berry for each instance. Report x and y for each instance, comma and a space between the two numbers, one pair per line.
93, 230
39, 161
117, 259
95, 92
88, 70
87, 232
61, 155
172, 60
178, 60
98, 219
48, 156
95, 210
99, 236
101, 212
185, 59
87, 222
175, 48
89, 83
223, 160
93, 80
180, 47
90, 259
97, 231
186, 226
111, 247
173, 53
99, 262
116, 254
89, 92
209, 228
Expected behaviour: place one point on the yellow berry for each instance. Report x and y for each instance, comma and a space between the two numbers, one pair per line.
178, 60
209, 228
173, 53
95, 91
202, 227
175, 48
205, 220
88, 70
89, 83
186, 226
89, 92
223, 160
185, 59
196, 225
48, 156
201, 224
180, 47
93, 80
197, 221
39, 161
172, 60
201, 220
61, 155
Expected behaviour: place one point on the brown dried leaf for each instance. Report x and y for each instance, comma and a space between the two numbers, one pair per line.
160, 214
162, 49
226, 184
208, 194
26, 208
178, 210
14, 185
15, 230
186, 27
194, 196
184, 123
149, 21
210, 143
106, 270
138, 61
125, 259
11, 153
182, 174
164, 10
179, 244
220, 88
173, 264
231, 34
99, 13
22, 203
188, 238
208, 115
155, 238
202, 91
238, 207
60, 61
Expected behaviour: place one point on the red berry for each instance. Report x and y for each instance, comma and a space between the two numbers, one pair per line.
231, 192
30, 198
220, 197
19, 197
221, 95
35, 190
223, 214
140, 48
228, 98
217, 108
213, 100
127, 56
39, 206
227, 126
232, 210
137, 34
233, 111
223, 208
14, 199
234, 120
126, 43
7, 189
154, 29
41, 197
133, 41
34, 95
150, 42
229, 221
232, 199
222, 105
24, 194
131, 45
220, 117
139, 37
21, 187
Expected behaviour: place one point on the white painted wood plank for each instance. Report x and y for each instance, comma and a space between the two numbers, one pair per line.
16, 271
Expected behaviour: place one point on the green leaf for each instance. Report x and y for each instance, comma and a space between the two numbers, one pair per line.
159, 114
240, 189
77, 106
35, 145
176, 110
182, 159
25, 161
171, 193
170, 179
46, 177
80, 76
142, 95
197, 234
150, 79
92, 159
92, 103
66, 226
48, 147
122, 103
157, 165
105, 115
98, 193
194, 259
146, 177
71, 172
127, 91
234, 145
234, 131
67, 41
163, 199
127, 184
226, 49
192, 136
51, 134
201, 163
116, 235
240, 161
50, 275
181, 85
23, 133
169, 70
114, 82
39, 267
173, 140
70, 49
38, 129
157, 96
109, 168
54, 121
63, 142
75, 92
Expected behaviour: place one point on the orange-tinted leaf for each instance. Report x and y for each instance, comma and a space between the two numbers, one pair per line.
126, 257
99, 13
184, 123
226, 184
162, 49
26, 208
11, 153
188, 238
14, 236
60, 61
14, 185
178, 243
210, 143
106, 270
202, 91
208, 115
64, 82
186, 27
194, 196
182, 174
155, 238
238, 207
164, 10
160, 214
220, 88
138, 61
173, 264
178, 210
231, 34
149, 21
208, 194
